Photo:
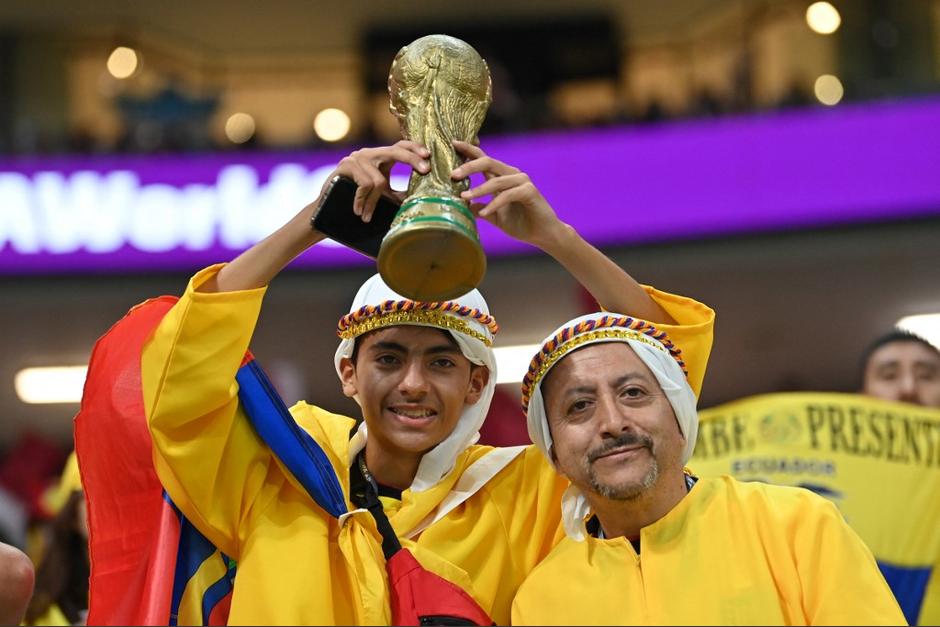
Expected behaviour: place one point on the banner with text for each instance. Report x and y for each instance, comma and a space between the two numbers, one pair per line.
878, 461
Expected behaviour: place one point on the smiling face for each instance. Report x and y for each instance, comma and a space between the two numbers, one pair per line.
615, 433
412, 384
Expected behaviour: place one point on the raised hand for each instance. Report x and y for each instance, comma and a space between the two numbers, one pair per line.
519, 210
517, 207
370, 169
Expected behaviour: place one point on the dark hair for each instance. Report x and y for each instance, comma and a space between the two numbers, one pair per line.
895, 335
62, 576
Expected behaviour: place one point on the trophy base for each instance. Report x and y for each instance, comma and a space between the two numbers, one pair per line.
431, 259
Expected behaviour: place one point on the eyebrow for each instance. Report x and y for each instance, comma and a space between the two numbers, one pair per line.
587, 389
401, 348
896, 363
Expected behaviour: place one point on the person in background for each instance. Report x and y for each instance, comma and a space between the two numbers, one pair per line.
904, 367
61, 594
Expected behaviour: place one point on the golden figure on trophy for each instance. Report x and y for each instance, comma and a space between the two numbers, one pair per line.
439, 89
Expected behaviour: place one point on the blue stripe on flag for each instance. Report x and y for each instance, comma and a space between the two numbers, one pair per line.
194, 549
292, 445
217, 591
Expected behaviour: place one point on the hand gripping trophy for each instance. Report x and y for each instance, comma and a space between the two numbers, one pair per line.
439, 89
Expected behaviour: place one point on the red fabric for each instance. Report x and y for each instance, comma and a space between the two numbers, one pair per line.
29, 469
133, 532
417, 593
586, 301
505, 422
219, 614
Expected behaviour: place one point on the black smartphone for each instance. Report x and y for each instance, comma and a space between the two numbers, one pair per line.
335, 218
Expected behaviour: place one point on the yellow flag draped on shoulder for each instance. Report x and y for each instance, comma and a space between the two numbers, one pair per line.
878, 461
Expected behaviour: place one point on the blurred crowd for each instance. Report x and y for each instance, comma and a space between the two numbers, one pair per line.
174, 121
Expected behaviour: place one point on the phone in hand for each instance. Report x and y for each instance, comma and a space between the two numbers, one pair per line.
335, 218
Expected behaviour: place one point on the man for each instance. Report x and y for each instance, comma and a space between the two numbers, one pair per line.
16, 584
901, 366
904, 367
60, 596
609, 404
423, 375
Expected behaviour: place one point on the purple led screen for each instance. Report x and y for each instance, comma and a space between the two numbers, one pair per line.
681, 180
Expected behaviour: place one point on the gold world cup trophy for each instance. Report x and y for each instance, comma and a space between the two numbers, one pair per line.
439, 89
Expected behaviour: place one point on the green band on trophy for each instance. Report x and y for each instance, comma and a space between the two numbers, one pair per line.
437, 199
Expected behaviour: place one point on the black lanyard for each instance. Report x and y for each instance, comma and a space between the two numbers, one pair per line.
364, 494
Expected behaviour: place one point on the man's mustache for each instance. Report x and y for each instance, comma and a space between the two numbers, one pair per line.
624, 440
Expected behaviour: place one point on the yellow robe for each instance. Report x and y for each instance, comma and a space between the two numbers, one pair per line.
297, 564
730, 553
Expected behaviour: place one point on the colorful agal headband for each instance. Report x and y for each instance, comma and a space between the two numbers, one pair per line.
612, 327
445, 315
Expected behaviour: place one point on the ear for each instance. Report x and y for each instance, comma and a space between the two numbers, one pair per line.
479, 377
347, 374
675, 420
554, 459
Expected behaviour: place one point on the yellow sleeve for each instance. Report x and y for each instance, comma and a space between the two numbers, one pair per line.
693, 332
211, 463
840, 581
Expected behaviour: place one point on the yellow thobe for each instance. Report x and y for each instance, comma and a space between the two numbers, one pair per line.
730, 553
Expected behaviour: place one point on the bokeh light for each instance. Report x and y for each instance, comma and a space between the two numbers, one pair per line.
823, 18
239, 128
828, 89
331, 124
123, 62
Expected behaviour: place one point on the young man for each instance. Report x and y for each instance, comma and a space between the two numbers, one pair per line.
901, 366
609, 404
423, 376
904, 367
